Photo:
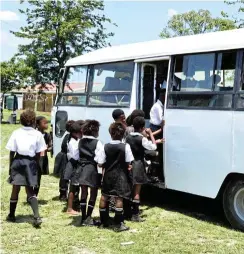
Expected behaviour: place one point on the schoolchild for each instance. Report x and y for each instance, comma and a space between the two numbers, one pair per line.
73, 158
115, 158
87, 174
61, 162
119, 116
139, 144
25, 146
130, 118
42, 126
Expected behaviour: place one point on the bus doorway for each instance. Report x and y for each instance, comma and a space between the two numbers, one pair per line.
154, 77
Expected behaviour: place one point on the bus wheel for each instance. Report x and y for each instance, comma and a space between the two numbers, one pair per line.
233, 203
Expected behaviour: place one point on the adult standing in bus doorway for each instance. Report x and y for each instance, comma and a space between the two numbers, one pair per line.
156, 125
157, 115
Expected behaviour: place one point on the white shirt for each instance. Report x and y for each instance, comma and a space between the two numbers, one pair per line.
26, 141
98, 149
73, 149
147, 144
157, 113
128, 153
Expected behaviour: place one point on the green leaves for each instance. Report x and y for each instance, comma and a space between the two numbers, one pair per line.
195, 22
15, 74
239, 17
60, 30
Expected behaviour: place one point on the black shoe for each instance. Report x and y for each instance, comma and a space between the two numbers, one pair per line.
136, 218
37, 222
88, 222
121, 227
11, 218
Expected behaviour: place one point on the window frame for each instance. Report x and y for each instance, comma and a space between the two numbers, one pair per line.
232, 92
90, 83
75, 93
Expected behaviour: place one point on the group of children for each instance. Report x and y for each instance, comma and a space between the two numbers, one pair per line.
122, 161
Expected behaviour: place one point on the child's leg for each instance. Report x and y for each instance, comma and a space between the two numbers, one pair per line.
32, 200
70, 200
118, 219
104, 211
136, 203
63, 188
84, 194
39, 176
13, 202
92, 201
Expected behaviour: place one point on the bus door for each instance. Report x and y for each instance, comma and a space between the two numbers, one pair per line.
148, 84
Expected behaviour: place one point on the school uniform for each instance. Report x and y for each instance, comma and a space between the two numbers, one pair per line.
61, 158
73, 157
156, 116
115, 157
87, 173
44, 161
139, 144
26, 142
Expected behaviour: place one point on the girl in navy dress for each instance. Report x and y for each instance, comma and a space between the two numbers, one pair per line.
42, 126
71, 167
139, 144
25, 146
115, 158
87, 174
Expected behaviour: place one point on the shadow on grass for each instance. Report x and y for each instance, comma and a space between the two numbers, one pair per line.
40, 202
76, 221
24, 219
200, 208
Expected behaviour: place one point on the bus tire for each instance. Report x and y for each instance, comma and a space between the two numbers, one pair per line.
233, 203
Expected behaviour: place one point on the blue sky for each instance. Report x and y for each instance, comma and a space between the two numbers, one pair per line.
137, 20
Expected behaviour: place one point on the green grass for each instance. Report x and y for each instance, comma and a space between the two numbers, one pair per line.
175, 225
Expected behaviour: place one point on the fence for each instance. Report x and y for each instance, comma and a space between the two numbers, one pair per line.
44, 101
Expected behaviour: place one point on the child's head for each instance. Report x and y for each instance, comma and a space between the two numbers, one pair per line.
117, 131
41, 123
91, 128
68, 125
28, 118
134, 114
118, 116
80, 122
75, 130
139, 124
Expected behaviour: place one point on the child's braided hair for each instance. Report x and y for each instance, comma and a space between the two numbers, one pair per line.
91, 128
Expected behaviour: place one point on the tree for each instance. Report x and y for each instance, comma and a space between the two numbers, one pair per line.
15, 74
193, 22
59, 30
240, 9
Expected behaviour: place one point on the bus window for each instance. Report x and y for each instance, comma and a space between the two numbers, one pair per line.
240, 93
199, 80
76, 79
111, 84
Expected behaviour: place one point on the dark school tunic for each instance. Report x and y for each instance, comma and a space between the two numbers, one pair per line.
44, 164
138, 165
116, 181
87, 173
61, 158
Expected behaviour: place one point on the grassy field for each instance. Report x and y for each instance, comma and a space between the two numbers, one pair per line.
175, 223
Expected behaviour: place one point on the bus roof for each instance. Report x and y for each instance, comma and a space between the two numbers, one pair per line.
215, 41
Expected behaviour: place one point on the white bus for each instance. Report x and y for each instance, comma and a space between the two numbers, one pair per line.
204, 108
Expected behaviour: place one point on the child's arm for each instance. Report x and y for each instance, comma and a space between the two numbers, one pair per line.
157, 132
149, 132
11, 158
128, 156
49, 144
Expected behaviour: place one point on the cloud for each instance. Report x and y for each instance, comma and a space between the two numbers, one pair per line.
8, 16
172, 12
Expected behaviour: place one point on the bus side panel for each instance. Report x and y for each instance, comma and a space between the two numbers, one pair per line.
198, 150
238, 141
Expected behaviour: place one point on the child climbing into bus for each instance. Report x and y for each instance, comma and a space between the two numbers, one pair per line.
139, 144
42, 126
71, 167
115, 158
25, 146
119, 116
87, 174
61, 162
